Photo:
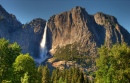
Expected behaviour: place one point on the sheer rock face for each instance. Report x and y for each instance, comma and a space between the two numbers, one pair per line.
8, 24
70, 27
31, 36
113, 31
89, 31
28, 35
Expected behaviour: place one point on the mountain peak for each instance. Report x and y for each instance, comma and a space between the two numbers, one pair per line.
2, 11
1, 7
38, 20
78, 9
73, 31
102, 19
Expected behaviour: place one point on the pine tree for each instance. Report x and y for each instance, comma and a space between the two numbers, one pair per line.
81, 77
55, 75
86, 80
40, 69
61, 80
69, 76
46, 75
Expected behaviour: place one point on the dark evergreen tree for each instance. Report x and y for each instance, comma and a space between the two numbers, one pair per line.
40, 69
81, 77
86, 80
46, 75
71, 75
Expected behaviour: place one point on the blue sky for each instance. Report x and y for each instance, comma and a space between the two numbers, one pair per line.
26, 10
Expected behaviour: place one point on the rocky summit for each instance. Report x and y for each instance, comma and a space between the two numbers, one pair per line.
79, 31
28, 35
88, 31
70, 33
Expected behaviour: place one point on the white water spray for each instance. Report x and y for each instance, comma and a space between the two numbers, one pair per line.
43, 49
43, 42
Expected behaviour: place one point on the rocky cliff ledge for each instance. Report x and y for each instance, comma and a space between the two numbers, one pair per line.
88, 31
72, 35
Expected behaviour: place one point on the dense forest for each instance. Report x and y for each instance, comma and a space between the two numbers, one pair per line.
113, 66
16, 67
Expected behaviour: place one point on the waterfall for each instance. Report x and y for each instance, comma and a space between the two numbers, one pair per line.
43, 49
43, 42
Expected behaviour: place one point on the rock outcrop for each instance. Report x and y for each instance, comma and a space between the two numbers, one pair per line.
83, 33
8, 24
31, 36
114, 32
75, 29
28, 35
89, 31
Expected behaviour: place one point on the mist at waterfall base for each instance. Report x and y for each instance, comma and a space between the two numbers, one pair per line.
43, 48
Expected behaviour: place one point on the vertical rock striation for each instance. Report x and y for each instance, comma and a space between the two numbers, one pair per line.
89, 31
75, 27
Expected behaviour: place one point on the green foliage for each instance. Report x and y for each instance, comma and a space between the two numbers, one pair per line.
66, 53
6, 81
72, 75
70, 53
23, 64
8, 53
20, 68
61, 80
113, 64
39, 70
25, 78
55, 76
44, 74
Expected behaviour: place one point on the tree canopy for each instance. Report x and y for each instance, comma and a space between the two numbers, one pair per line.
8, 53
16, 67
23, 64
113, 64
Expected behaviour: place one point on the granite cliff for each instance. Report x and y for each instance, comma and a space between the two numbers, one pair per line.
75, 30
28, 35
82, 34
88, 31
